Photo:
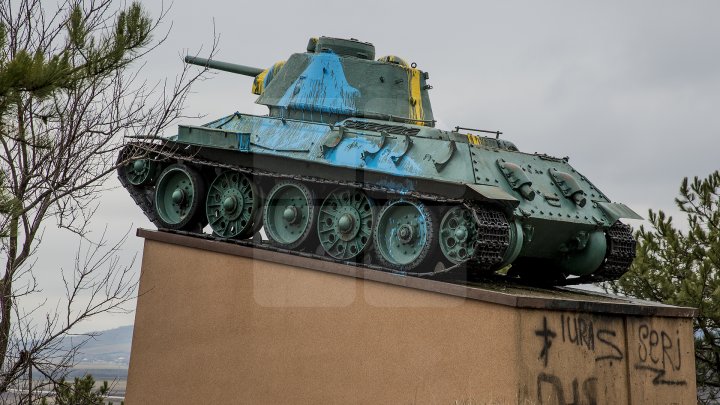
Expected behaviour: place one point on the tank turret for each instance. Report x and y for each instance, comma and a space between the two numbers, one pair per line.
337, 79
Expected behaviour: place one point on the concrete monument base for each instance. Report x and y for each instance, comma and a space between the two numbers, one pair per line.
223, 323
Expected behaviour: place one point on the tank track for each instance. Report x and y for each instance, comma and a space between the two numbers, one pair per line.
492, 225
493, 239
621, 252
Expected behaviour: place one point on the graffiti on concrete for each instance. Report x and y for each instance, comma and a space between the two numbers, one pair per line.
660, 354
578, 330
581, 331
547, 336
554, 392
607, 337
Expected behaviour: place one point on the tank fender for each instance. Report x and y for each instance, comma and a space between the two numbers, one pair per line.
492, 193
214, 137
615, 211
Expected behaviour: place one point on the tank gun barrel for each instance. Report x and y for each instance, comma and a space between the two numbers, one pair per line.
225, 66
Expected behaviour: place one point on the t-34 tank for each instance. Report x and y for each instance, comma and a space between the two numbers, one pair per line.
348, 166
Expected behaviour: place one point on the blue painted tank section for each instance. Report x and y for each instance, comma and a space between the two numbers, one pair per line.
322, 87
303, 141
349, 153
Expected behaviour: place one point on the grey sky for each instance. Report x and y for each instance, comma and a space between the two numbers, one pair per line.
628, 90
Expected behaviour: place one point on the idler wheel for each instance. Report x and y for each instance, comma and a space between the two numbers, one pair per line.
233, 205
289, 214
404, 234
141, 172
345, 223
457, 235
179, 197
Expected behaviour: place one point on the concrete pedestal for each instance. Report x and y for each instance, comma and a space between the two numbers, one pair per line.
223, 323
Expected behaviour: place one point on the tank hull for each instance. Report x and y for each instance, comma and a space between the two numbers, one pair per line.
388, 161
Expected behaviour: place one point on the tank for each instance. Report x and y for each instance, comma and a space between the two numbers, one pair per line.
349, 167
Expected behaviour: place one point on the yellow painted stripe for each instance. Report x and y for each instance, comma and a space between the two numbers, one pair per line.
416, 108
473, 139
263, 79
278, 65
258, 85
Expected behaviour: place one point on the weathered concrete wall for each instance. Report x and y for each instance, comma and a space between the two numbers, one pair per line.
223, 328
585, 358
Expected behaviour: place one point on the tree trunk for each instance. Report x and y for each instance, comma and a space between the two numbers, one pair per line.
6, 295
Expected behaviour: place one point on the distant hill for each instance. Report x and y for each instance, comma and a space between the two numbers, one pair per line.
105, 356
109, 346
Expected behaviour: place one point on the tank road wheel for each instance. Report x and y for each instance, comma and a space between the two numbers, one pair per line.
345, 223
404, 234
289, 214
232, 205
179, 196
141, 172
457, 235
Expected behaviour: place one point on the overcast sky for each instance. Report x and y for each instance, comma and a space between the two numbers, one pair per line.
629, 90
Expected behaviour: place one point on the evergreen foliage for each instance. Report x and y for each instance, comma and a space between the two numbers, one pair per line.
682, 267
80, 392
